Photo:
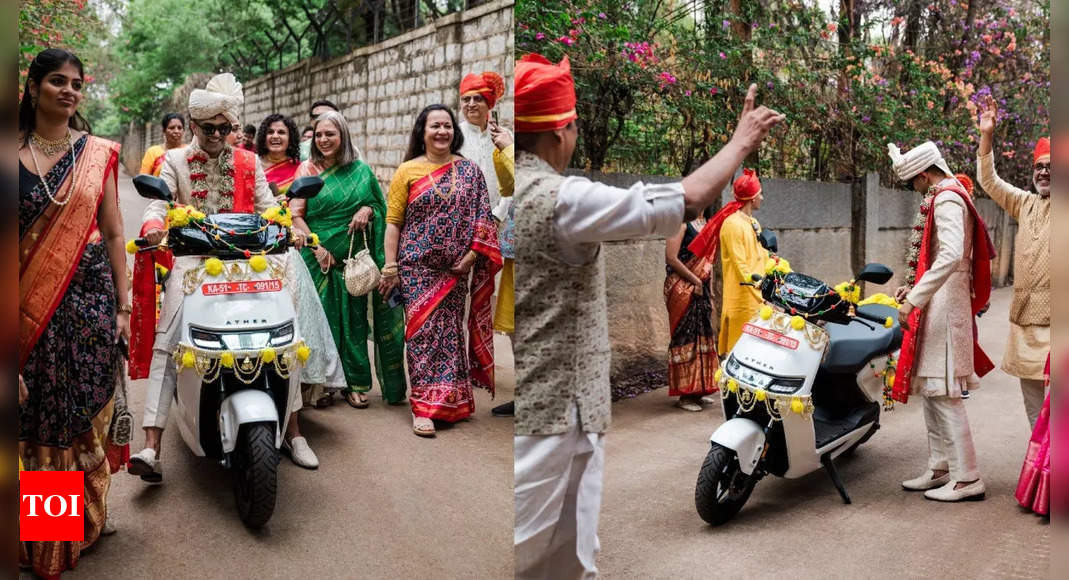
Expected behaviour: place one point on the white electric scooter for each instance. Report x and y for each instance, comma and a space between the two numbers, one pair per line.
239, 352
796, 396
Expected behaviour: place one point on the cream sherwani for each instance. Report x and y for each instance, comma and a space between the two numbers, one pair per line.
945, 354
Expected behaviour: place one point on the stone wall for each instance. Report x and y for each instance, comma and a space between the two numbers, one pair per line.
381, 88
825, 230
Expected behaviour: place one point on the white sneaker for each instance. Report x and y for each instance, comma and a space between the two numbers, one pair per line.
300, 453
711, 400
687, 405
974, 491
145, 464
925, 481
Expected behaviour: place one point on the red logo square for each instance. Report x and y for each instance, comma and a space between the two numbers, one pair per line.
51, 506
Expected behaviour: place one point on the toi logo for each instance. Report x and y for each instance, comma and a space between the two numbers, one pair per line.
51, 506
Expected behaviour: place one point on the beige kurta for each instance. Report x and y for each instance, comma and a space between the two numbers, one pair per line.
945, 352
1029, 340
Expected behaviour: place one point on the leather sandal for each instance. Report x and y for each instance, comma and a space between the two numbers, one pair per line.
423, 429
359, 402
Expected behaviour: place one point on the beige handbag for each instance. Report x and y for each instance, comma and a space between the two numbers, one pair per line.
361, 273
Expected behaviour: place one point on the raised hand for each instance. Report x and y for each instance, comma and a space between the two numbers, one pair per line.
754, 124
988, 115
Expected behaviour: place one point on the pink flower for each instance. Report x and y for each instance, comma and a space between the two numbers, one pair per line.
723, 56
713, 91
566, 41
540, 36
687, 92
602, 15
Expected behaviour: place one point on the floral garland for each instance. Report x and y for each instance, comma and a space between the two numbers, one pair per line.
747, 397
198, 176
887, 375
246, 365
916, 236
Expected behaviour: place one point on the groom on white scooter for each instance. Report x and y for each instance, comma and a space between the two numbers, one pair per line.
214, 177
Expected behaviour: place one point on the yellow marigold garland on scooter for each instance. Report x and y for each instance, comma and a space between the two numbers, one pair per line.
246, 365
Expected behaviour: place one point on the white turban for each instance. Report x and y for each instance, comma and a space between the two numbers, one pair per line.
222, 95
914, 162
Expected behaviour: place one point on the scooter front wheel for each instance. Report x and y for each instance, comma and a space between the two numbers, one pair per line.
722, 487
256, 473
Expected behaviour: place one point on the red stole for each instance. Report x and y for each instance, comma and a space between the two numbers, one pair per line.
983, 251
143, 318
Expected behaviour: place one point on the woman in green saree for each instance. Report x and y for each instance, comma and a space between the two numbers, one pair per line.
350, 205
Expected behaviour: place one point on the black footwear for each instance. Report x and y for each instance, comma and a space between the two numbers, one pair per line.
506, 410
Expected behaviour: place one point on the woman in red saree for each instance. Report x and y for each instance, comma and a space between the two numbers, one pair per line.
439, 230
73, 292
692, 360
279, 151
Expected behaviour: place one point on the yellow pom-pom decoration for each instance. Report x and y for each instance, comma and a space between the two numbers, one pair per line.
178, 217
766, 312
849, 291
285, 219
196, 215
131, 247
880, 298
777, 264
227, 360
268, 355
270, 214
258, 263
797, 406
733, 386
889, 322
797, 322
303, 352
760, 394
189, 360
213, 266
718, 375
313, 239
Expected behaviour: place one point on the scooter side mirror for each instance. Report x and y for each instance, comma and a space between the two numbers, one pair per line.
152, 187
875, 273
768, 240
305, 187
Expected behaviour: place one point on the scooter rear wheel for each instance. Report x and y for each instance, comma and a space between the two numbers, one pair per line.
256, 473
722, 487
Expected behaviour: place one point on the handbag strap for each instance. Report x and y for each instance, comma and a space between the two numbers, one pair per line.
363, 232
350, 245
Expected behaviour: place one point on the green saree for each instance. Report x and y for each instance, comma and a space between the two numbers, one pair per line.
346, 190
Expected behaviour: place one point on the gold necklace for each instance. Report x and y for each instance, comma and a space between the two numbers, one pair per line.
44, 178
49, 147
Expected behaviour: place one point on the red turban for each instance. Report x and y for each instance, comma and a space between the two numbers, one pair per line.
1042, 152
545, 94
488, 84
747, 185
965, 182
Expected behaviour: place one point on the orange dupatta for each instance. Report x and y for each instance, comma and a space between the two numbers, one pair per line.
50, 251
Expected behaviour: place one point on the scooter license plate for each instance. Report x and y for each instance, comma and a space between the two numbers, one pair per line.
771, 336
243, 287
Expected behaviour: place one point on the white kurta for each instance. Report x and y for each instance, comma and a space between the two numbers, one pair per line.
479, 147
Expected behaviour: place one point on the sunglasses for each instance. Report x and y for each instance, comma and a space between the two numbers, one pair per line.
210, 130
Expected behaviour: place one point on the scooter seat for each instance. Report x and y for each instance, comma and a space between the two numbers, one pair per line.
851, 346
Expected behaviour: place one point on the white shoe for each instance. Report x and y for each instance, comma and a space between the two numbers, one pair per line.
688, 405
710, 400
300, 453
974, 491
145, 464
926, 481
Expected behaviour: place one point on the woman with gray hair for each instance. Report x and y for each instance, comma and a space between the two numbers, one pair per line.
349, 210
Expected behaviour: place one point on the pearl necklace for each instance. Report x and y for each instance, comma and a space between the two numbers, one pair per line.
44, 180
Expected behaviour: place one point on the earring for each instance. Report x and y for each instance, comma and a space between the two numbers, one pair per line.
33, 101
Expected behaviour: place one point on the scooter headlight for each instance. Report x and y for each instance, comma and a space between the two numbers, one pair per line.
282, 335
756, 378
206, 340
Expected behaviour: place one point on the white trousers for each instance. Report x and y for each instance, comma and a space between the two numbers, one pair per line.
950, 446
1033, 392
162, 383
558, 499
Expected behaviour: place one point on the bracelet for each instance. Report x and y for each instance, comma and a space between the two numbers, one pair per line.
125, 309
388, 265
389, 272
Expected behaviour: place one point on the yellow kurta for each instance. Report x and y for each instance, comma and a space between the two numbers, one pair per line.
742, 255
148, 162
505, 168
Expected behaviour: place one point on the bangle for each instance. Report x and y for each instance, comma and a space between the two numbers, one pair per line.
125, 308
388, 265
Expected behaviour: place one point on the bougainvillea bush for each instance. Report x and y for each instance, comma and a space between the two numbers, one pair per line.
660, 83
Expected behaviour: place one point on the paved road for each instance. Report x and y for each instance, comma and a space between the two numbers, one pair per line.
383, 504
800, 528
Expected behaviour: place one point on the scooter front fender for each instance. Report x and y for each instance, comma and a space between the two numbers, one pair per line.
248, 406
743, 436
